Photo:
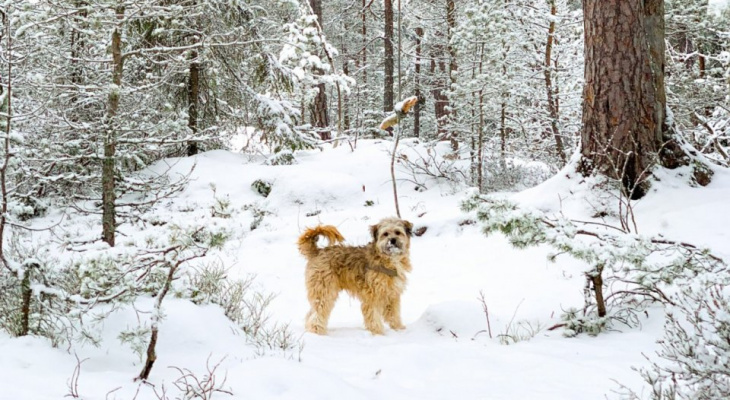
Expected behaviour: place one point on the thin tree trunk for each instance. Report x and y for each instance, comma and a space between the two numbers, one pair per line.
557, 89
364, 38
151, 355
26, 295
6, 107
362, 89
473, 128
623, 98
417, 84
108, 170
320, 117
441, 101
451, 24
77, 44
480, 141
551, 101
597, 281
503, 107
388, 62
346, 97
193, 96
502, 130
152, 347
702, 65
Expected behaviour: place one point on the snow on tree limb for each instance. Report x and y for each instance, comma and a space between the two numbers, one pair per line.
399, 111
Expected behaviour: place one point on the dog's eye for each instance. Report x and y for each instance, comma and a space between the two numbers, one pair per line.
386, 234
397, 233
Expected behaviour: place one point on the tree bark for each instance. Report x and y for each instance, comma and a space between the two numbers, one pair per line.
480, 141
6, 107
623, 97
552, 102
388, 62
346, 97
503, 106
453, 67
597, 281
364, 38
320, 117
193, 96
77, 45
152, 347
417, 85
25, 294
440, 100
108, 184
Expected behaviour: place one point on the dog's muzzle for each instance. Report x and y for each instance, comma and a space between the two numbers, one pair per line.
393, 247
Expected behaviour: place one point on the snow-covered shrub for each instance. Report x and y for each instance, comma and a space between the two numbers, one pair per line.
625, 271
258, 213
509, 175
244, 305
694, 358
520, 331
203, 387
221, 207
696, 343
27, 306
284, 157
262, 187
431, 164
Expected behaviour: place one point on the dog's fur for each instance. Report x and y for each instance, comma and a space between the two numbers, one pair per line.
374, 273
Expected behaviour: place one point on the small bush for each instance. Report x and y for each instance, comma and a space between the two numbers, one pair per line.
283, 157
244, 306
262, 187
508, 175
258, 214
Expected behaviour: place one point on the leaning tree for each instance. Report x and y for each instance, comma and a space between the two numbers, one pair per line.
625, 130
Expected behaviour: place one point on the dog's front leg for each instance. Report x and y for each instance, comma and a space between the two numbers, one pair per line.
392, 314
373, 316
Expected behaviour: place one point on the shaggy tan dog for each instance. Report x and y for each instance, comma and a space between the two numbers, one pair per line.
374, 273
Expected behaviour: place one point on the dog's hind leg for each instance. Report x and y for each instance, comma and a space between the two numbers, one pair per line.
372, 313
392, 313
322, 301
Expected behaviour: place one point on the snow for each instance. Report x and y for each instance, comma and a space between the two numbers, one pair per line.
717, 6
445, 352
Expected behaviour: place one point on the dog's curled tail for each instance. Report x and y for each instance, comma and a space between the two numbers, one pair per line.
308, 240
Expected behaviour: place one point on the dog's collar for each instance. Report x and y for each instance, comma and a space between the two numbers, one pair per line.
381, 269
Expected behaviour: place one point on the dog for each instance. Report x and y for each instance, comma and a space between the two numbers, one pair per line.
375, 273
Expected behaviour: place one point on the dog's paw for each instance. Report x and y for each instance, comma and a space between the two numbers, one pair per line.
397, 327
376, 330
318, 329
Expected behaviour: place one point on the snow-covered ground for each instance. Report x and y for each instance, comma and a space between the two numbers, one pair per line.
444, 353
716, 6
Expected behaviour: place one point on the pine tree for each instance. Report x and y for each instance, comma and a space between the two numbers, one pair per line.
623, 125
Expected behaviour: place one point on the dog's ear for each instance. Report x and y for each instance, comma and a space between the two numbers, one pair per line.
408, 226
374, 232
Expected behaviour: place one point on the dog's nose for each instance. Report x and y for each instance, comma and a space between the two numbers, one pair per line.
392, 241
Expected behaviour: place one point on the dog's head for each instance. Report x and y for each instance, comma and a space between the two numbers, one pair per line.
392, 236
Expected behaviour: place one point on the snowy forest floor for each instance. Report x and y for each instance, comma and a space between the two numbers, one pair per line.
444, 352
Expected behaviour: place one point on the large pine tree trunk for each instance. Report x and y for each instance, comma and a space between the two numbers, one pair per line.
623, 97
388, 62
